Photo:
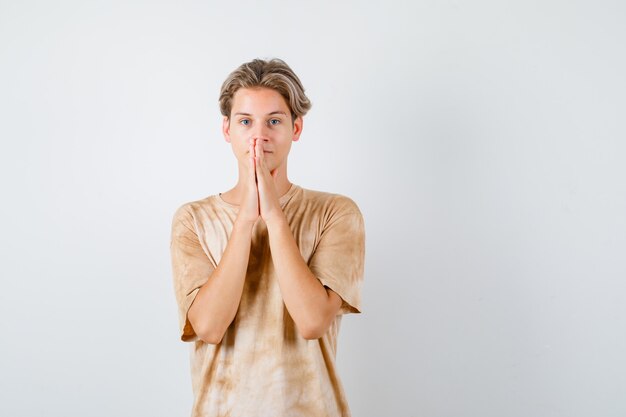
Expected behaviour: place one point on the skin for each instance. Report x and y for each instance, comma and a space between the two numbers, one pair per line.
261, 140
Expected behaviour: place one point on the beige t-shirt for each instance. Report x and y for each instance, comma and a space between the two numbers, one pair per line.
263, 367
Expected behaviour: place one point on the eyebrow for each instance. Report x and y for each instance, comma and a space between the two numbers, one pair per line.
269, 114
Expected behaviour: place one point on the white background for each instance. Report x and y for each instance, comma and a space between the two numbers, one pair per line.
484, 142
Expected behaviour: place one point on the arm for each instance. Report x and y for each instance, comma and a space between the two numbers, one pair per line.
217, 301
310, 304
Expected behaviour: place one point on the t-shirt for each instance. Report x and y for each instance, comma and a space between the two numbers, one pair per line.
263, 367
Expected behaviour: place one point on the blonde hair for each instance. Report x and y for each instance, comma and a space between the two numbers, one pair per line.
274, 74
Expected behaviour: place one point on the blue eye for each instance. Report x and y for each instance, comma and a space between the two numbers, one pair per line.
275, 120
244, 120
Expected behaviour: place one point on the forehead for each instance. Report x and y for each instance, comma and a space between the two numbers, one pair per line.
258, 100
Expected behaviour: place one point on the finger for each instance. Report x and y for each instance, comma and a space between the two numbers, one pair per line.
252, 164
259, 151
258, 165
260, 162
256, 153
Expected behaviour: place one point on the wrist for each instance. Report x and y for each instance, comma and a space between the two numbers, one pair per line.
245, 224
276, 222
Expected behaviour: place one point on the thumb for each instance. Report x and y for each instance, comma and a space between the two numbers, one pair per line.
252, 170
258, 168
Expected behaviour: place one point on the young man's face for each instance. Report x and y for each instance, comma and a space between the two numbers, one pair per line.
261, 113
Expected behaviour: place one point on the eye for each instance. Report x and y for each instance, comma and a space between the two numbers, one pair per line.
244, 120
274, 120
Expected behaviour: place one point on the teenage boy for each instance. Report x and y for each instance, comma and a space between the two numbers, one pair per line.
264, 271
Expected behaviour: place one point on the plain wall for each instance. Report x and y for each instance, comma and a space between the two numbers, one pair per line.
483, 141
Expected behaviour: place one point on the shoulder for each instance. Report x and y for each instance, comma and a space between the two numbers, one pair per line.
187, 212
331, 204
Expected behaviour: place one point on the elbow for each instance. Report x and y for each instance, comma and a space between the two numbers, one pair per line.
207, 334
311, 335
323, 320
206, 331
212, 338
313, 332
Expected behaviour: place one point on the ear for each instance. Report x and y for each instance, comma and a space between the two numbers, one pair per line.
226, 128
297, 128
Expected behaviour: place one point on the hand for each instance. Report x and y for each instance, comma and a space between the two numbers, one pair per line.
269, 206
249, 209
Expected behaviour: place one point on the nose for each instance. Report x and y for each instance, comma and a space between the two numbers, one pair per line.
259, 137
260, 132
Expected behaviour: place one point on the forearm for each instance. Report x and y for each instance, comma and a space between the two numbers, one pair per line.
217, 301
304, 295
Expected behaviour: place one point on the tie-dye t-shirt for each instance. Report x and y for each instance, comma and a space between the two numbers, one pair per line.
263, 367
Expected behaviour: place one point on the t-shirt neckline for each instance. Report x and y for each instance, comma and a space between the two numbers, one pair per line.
282, 200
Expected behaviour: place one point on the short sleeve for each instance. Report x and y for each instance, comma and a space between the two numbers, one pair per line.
338, 259
191, 268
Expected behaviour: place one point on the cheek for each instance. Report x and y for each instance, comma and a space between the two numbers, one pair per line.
237, 148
